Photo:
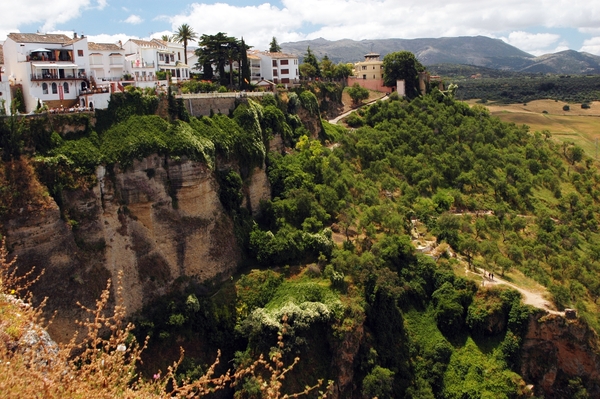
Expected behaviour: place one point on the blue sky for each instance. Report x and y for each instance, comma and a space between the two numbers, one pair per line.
535, 26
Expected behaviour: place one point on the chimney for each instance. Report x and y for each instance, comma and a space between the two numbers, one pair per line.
74, 35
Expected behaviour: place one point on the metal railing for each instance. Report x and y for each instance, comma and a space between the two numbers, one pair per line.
142, 64
54, 76
224, 95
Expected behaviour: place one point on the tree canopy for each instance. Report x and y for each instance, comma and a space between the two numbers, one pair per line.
402, 65
274, 47
314, 71
217, 50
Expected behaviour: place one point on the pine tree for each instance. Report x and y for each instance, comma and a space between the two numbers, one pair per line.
274, 47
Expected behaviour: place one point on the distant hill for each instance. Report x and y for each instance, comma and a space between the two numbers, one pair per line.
565, 62
477, 51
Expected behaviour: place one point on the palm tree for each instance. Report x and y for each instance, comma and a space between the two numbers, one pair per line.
165, 38
184, 35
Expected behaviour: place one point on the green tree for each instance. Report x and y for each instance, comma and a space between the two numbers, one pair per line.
307, 70
245, 66
185, 34
165, 38
358, 93
215, 49
310, 59
274, 47
343, 70
379, 383
327, 67
402, 65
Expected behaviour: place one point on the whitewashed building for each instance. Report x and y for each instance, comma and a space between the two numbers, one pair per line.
107, 61
4, 87
146, 57
50, 68
279, 67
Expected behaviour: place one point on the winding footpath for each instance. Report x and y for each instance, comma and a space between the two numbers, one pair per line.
345, 114
532, 298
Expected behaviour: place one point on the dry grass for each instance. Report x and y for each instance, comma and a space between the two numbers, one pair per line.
103, 364
347, 101
581, 126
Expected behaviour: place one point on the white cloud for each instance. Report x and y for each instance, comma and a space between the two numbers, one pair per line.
133, 19
591, 45
257, 24
370, 19
292, 20
533, 43
158, 35
106, 38
47, 15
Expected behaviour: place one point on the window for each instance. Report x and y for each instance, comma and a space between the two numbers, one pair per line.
373, 76
373, 66
274, 63
80, 53
161, 57
275, 72
284, 62
178, 56
45, 88
364, 76
364, 67
285, 71
54, 88
66, 87
172, 58
285, 80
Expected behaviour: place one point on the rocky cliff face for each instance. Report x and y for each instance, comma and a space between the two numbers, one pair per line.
157, 222
556, 350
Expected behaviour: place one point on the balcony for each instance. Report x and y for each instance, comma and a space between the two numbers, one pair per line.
57, 76
141, 64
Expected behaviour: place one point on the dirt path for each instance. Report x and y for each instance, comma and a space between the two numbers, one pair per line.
345, 114
529, 297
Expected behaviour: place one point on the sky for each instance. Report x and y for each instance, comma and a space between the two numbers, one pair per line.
535, 26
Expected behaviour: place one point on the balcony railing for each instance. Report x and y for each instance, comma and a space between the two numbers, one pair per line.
54, 76
135, 64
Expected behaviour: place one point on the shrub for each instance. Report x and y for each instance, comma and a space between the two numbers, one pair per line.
566, 107
585, 106
358, 93
379, 383
353, 120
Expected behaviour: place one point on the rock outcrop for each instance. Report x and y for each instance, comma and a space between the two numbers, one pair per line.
555, 351
156, 223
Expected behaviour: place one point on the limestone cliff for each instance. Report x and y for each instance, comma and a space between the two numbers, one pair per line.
158, 222
556, 350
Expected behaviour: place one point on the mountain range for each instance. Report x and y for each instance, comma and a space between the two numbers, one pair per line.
479, 51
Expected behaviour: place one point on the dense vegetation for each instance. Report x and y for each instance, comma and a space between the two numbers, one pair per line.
525, 88
431, 169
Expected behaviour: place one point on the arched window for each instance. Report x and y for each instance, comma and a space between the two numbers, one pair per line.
45, 88
54, 88
66, 87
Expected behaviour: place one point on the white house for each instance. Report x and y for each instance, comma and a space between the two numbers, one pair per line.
145, 56
279, 67
4, 87
254, 61
107, 61
171, 59
51, 68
